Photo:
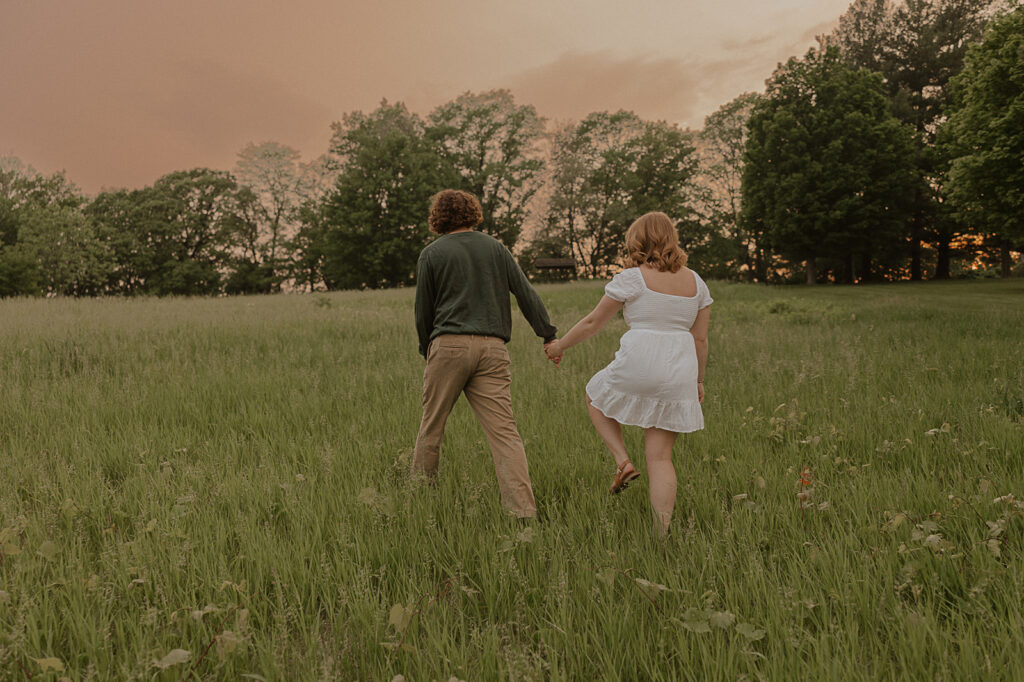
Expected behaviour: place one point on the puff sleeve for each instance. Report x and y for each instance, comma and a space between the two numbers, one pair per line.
703, 293
625, 286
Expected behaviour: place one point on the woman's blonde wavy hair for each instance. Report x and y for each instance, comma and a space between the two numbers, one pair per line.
652, 239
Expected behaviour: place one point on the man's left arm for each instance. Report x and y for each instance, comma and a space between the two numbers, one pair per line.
529, 301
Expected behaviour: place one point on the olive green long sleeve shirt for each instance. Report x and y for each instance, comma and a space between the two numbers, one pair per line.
463, 281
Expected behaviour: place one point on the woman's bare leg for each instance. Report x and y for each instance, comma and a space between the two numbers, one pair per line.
610, 432
662, 476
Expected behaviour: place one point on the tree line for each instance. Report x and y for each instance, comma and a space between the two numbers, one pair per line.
893, 150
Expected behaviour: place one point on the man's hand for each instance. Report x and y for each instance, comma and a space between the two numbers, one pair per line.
553, 349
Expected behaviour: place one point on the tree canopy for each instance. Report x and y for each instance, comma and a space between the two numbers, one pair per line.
986, 130
828, 167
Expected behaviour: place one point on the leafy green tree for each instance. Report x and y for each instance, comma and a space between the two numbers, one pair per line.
375, 219
559, 234
115, 215
185, 222
494, 146
917, 46
731, 249
46, 245
606, 171
986, 130
252, 267
175, 237
827, 166
306, 247
864, 34
66, 248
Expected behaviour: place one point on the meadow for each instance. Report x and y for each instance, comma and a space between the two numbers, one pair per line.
218, 489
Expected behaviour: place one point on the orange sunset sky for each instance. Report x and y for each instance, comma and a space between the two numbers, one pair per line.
119, 92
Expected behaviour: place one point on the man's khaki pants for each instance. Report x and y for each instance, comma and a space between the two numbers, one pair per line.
478, 366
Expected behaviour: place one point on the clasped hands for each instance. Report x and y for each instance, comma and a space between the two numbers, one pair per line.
554, 351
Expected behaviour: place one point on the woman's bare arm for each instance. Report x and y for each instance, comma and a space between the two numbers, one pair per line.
595, 320
699, 331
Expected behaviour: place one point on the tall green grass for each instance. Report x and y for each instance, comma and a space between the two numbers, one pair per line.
228, 478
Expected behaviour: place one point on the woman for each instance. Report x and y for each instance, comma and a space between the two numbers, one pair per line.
657, 378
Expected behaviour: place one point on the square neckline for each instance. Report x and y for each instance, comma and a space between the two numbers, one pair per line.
662, 293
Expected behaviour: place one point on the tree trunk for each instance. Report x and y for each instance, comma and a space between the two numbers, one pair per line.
942, 259
915, 249
1005, 262
851, 268
865, 268
812, 271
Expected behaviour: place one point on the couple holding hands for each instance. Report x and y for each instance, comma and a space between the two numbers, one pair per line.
464, 319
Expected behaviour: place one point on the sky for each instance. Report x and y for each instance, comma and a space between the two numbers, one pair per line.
119, 92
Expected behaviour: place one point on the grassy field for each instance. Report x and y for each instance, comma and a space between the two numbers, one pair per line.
217, 489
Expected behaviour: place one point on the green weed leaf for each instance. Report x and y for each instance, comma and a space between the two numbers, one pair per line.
49, 664
174, 657
394, 646
750, 632
400, 617
697, 626
227, 642
198, 614
48, 550
696, 620
721, 619
652, 590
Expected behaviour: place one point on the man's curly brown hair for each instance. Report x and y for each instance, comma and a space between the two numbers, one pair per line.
453, 209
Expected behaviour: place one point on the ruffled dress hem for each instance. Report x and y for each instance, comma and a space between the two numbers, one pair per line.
678, 416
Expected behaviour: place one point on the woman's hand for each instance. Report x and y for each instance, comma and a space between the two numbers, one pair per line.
700, 392
554, 351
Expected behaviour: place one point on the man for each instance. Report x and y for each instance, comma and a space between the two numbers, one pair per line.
464, 319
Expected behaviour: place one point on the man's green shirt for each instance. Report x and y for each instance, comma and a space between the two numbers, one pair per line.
463, 281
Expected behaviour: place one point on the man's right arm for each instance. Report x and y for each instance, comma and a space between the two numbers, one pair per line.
424, 303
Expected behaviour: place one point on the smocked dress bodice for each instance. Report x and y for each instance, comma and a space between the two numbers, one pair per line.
652, 382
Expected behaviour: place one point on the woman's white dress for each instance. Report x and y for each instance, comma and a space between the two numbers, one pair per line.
653, 379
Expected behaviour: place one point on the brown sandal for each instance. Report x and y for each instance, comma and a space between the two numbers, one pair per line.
623, 475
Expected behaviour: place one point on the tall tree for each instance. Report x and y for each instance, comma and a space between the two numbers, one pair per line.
494, 145
307, 247
721, 145
606, 171
274, 174
827, 166
115, 214
376, 216
590, 199
918, 46
174, 237
39, 215
986, 130
65, 246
